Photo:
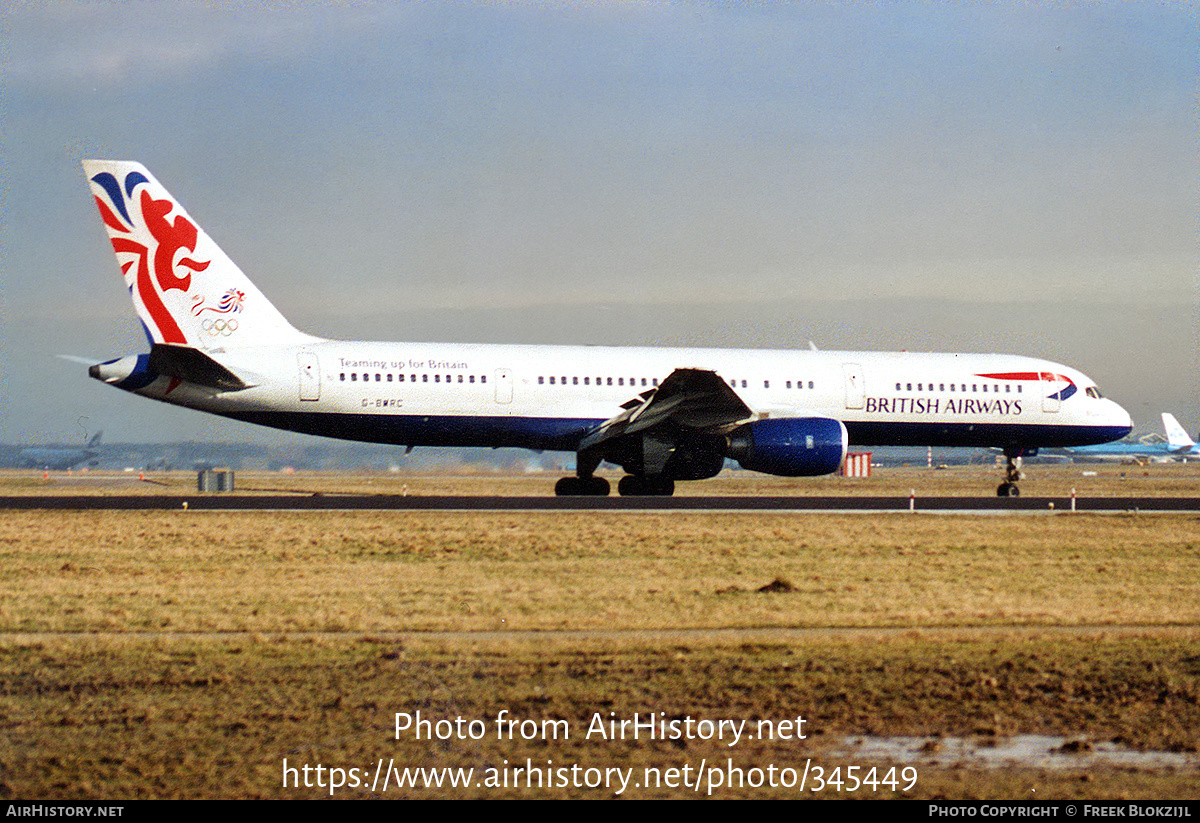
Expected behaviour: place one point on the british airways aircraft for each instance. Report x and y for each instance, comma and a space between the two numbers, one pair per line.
662, 414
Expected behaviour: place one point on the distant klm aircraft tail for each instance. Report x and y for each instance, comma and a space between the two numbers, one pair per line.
187, 292
1177, 438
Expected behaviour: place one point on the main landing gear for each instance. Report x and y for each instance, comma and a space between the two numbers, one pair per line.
1012, 474
631, 485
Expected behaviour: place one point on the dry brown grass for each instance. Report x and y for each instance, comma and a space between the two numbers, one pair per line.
128, 704
1048, 480
118, 717
415, 571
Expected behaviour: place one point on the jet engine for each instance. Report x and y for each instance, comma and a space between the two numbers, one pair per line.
791, 447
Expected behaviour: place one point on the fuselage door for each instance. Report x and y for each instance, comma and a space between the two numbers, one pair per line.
310, 376
504, 385
855, 391
1050, 393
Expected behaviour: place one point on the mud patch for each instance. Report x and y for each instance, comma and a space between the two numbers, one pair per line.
1022, 751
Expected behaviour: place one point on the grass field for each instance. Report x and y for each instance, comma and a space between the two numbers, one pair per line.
189, 654
1042, 480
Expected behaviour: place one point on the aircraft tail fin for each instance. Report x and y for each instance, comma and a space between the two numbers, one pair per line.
1177, 438
185, 289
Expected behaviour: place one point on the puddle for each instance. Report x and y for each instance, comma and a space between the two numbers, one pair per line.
1025, 750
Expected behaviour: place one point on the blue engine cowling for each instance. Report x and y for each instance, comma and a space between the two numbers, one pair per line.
791, 447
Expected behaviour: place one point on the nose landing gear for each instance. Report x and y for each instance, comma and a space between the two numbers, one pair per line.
1012, 474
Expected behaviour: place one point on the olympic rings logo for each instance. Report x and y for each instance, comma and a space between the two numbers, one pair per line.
220, 327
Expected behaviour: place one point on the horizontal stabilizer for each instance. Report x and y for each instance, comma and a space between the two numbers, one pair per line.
193, 366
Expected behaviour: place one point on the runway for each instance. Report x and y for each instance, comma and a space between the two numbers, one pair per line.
384, 502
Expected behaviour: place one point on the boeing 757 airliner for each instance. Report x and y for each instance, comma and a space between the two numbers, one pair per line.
661, 414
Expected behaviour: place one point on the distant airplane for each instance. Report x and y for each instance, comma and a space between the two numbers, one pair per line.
58, 458
1178, 446
218, 345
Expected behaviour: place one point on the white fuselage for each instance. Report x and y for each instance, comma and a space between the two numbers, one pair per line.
549, 397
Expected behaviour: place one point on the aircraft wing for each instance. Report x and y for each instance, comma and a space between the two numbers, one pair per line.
687, 398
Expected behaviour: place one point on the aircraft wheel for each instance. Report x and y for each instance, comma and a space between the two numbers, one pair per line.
635, 485
596, 487
581, 487
629, 486
1008, 490
568, 487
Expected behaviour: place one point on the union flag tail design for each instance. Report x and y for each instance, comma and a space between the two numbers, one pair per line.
185, 289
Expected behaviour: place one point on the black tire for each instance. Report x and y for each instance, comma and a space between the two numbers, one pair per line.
637, 485
596, 487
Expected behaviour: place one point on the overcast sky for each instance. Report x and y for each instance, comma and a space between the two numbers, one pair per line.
951, 176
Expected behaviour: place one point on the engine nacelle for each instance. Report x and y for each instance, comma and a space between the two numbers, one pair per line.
791, 447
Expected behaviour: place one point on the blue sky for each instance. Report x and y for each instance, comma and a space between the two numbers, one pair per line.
968, 176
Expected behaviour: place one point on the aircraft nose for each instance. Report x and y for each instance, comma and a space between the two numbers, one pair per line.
1121, 419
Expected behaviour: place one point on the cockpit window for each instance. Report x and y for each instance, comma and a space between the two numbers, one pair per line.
1094, 392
